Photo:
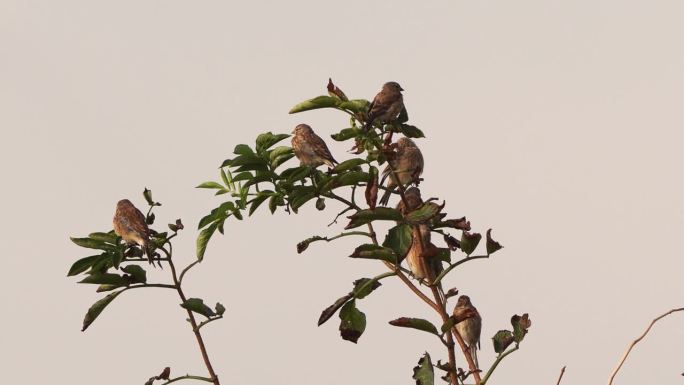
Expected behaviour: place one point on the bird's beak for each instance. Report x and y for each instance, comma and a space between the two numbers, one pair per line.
400, 89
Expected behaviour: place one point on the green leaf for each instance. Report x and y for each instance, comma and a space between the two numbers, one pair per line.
315, 103
97, 308
356, 105
148, 196
210, 185
353, 322
411, 131
203, 239
216, 214
259, 178
220, 309
258, 200
266, 140
349, 164
363, 217
197, 305
492, 245
502, 339
303, 245
93, 244
520, 326
351, 178
105, 237
300, 195
246, 160
364, 286
280, 155
295, 174
332, 309
346, 134
415, 323
469, 242
138, 274
84, 264
399, 238
424, 213
424, 373
320, 204
370, 251
243, 149
449, 324
106, 279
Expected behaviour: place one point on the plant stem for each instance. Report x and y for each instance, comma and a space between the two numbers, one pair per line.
453, 265
496, 363
188, 377
195, 329
449, 338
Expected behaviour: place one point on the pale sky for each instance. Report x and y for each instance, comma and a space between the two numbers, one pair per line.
557, 123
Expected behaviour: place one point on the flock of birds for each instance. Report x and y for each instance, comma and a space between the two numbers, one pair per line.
404, 168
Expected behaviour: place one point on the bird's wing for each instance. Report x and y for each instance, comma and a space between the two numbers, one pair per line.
321, 149
136, 221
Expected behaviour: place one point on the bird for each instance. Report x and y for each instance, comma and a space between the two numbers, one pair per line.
407, 165
386, 106
310, 149
470, 328
129, 224
413, 199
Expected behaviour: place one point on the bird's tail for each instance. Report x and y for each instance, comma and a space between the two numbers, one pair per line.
473, 354
148, 250
386, 196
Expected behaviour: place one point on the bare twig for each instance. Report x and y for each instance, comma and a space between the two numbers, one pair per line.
561, 375
631, 346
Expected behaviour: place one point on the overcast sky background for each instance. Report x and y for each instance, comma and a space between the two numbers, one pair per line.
557, 123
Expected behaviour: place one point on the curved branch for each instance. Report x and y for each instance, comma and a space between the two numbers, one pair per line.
636, 341
560, 377
496, 363
188, 377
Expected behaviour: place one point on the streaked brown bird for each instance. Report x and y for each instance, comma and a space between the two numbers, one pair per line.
407, 165
387, 104
129, 224
470, 328
310, 149
421, 255
413, 198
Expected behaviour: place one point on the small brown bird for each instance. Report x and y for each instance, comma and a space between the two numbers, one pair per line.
407, 164
470, 328
413, 199
386, 105
129, 224
310, 149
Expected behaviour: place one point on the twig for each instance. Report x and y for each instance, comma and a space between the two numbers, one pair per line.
453, 265
195, 328
188, 377
561, 375
631, 346
496, 363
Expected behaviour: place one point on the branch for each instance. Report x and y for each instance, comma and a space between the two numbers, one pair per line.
453, 265
207, 321
636, 341
561, 375
496, 363
188, 377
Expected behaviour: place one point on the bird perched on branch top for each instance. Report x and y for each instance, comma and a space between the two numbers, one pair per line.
407, 165
129, 224
310, 149
470, 328
387, 104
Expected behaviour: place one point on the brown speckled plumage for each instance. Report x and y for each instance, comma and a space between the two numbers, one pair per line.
470, 328
129, 224
387, 104
407, 164
310, 149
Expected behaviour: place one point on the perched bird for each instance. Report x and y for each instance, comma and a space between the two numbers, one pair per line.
129, 224
310, 149
407, 164
387, 104
470, 328
413, 199
421, 255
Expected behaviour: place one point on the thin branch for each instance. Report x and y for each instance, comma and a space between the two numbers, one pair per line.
496, 363
195, 328
190, 266
188, 377
560, 376
636, 341
208, 321
453, 265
